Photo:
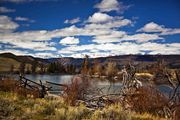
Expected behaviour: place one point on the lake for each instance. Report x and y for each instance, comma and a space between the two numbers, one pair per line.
102, 84
66, 79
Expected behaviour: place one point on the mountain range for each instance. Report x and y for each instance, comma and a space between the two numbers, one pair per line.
8, 59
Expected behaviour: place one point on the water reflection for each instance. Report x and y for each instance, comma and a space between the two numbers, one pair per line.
63, 79
104, 85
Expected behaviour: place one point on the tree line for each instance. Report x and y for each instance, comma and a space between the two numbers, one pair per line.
40, 68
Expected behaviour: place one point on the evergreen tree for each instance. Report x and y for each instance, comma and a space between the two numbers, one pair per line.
34, 66
22, 67
28, 70
12, 69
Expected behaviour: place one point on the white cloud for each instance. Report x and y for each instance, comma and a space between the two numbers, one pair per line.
113, 36
6, 10
45, 55
34, 40
111, 5
103, 31
109, 25
154, 27
36, 46
76, 31
99, 18
103, 50
69, 41
155, 48
23, 19
151, 27
107, 30
143, 37
72, 21
105, 21
170, 31
14, 51
7, 25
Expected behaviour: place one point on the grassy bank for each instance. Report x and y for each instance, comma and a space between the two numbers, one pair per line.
14, 107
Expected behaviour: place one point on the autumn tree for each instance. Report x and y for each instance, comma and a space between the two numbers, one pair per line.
97, 68
28, 71
34, 66
70, 68
22, 67
111, 69
85, 66
42, 68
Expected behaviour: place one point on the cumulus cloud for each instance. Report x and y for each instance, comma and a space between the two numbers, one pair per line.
113, 36
33, 40
156, 48
170, 31
72, 21
45, 55
6, 10
36, 46
99, 18
111, 5
154, 27
23, 19
7, 25
112, 24
36, 40
151, 27
142, 37
105, 21
101, 27
69, 41
107, 49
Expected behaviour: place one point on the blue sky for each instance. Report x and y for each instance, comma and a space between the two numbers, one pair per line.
98, 28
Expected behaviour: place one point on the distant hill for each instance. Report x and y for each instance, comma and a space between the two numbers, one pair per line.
26, 59
8, 59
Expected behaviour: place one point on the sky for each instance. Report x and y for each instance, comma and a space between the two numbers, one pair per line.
98, 28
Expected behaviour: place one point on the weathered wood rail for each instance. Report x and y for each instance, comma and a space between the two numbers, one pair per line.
42, 88
32, 85
56, 91
58, 84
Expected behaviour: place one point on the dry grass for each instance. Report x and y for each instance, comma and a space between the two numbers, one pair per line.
11, 85
13, 106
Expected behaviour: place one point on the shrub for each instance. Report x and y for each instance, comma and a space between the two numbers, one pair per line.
147, 99
8, 85
77, 90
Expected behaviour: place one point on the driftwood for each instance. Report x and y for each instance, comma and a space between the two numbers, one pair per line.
58, 84
28, 84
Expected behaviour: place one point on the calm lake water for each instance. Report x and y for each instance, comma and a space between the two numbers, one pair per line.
104, 85
63, 79
66, 79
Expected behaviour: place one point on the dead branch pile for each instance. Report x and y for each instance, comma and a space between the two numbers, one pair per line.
77, 90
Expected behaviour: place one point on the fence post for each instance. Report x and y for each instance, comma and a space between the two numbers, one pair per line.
43, 90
